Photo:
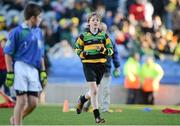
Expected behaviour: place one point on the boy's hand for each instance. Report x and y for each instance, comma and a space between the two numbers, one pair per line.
100, 49
43, 78
85, 54
9, 79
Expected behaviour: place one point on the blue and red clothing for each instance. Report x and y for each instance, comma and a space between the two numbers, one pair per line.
2, 59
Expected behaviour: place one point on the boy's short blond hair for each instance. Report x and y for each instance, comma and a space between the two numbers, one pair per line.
94, 14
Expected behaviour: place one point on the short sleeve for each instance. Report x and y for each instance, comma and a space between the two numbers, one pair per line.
11, 42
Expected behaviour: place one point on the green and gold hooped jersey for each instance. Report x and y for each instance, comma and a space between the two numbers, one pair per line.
90, 43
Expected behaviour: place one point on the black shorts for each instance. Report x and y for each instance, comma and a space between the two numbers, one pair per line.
94, 71
33, 93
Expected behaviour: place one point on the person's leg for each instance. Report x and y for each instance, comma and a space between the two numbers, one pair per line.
88, 103
94, 101
139, 99
145, 97
150, 98
90, 77
20, 85
31, 103
21, 101
81, 101
93, 93
34, 87
130, 96
105, 92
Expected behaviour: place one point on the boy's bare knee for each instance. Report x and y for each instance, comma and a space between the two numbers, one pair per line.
22, 104
94, 92
33, 104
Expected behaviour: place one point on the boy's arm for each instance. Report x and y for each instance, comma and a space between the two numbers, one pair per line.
79, 45
10, 73
43, 73
9, 51
108, 46
9, 63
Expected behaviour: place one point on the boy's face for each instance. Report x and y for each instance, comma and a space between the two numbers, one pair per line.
150, 61
2, 43
94, 22
136, 57
36, 20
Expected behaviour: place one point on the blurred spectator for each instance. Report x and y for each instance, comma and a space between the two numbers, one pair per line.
17, 5
132, 79
3, 26
111, 5
151, 74
128, 4
14, 23
138, 10
176, 19
149, 10
159, 9
108, 19
46, 6
3, 66
177, 53
169, 8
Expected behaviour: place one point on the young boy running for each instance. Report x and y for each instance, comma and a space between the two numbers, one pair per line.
24, 53
92, 47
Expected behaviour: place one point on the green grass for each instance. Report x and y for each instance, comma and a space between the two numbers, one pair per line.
130, 115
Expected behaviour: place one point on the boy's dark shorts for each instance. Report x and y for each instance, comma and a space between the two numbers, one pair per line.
94, 71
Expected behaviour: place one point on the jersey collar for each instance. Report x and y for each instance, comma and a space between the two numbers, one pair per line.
94, 34
25, 26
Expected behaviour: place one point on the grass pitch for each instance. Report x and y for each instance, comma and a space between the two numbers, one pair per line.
122, 115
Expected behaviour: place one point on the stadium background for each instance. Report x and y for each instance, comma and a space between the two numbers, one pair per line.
156, 32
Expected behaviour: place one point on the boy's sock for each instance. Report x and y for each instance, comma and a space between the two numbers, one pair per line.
96, 113
97, 117
83, 99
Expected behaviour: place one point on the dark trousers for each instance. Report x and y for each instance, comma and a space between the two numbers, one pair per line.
2, 82
148, 98
134, 96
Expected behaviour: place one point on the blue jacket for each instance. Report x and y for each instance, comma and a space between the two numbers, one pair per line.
114, 58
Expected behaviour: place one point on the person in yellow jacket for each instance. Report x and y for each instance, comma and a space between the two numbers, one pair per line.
151, 74
132, 79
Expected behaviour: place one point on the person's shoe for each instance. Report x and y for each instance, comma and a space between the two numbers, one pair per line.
86, 109
79, 106
107, 111
100, 120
